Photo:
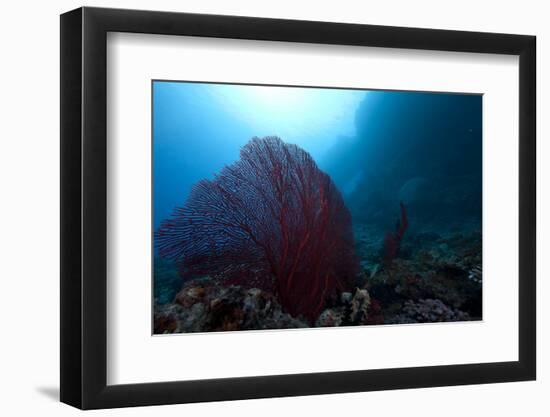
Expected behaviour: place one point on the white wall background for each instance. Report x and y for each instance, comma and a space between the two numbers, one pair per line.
29, 237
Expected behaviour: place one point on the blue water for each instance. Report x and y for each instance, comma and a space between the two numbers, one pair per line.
199, 128
380, 147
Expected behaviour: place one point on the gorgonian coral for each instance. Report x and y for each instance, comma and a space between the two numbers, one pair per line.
392, 240
272, 220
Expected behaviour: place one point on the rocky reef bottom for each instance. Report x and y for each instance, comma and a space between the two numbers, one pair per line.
435, 278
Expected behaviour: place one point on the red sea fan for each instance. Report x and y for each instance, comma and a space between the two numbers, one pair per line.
272, 220
392, 241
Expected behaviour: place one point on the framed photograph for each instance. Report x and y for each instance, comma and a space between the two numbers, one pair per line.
257, 207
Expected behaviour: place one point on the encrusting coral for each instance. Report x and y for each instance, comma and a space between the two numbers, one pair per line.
204, 305
428, 311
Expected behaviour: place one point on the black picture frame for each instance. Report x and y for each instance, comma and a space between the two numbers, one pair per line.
84, 207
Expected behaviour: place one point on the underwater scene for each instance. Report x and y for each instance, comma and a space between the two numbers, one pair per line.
279, 207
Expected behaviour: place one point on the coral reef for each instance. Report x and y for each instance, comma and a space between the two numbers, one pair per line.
439, 268
205, 305
431, 282
273, 221
428, 311
352, 309
434, 278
